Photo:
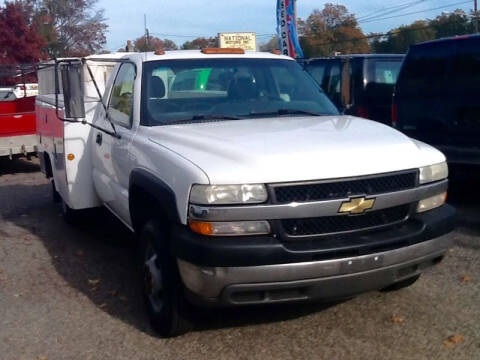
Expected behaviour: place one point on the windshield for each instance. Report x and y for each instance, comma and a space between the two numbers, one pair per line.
214, 89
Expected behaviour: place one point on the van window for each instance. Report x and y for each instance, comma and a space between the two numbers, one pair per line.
317, 70
334, 82
121, 102
467, 66
425, 69
386, 71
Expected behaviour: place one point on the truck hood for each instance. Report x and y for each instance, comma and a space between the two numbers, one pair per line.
288, 149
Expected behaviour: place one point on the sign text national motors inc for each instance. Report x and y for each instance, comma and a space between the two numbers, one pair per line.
242, 40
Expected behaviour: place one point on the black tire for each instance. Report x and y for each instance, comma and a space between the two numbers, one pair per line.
162, 286
70, 216
55, 195
401, 284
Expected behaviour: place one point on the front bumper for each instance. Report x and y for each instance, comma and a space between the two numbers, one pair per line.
264, 269
320, 280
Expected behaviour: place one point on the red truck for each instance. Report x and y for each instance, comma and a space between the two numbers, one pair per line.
17, 126
17, 114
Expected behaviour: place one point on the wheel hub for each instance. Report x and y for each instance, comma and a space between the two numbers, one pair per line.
153, 283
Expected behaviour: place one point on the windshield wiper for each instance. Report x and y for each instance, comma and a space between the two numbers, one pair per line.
203, 117
287, 112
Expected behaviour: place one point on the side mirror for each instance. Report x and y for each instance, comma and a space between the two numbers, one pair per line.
73, 90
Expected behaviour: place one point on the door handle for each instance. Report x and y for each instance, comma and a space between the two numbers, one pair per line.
99, 139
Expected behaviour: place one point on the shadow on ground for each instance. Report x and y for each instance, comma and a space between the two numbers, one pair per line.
17, 165
97, 258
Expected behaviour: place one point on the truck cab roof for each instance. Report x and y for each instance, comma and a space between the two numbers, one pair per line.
187, 54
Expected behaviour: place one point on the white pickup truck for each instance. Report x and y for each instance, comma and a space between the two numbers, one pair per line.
242, 181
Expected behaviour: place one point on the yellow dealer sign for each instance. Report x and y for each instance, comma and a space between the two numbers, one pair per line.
243, 40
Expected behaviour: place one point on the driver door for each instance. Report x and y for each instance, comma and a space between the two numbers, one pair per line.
112, 161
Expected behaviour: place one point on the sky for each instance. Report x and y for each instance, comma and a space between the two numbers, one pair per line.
182, 20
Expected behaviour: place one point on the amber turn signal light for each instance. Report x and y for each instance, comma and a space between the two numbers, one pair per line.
202, 228
70, 157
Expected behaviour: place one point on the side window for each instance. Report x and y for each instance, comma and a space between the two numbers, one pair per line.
467, 66
334, 82
317, 70
219, 79
425, 70
185, 80
386, 71
121, 102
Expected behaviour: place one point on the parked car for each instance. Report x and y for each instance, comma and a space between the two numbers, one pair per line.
242, 181
437, 97
26, 90
360, 85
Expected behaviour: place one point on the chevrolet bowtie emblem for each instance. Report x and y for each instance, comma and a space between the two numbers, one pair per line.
357, 205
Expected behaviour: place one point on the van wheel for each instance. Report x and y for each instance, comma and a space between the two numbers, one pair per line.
401, 284
55, 195
162, 286
69, 215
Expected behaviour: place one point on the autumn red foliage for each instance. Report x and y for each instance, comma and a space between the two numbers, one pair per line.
20, 43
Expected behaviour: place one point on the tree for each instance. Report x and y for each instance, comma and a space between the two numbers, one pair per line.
271, 45
445, 25
400, 39
19, 42
451, 24
71, 27
154, 43
200, 43
331, 30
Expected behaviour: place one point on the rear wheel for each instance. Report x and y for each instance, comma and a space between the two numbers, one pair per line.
162, 286
70, 216
55, 195
401, 284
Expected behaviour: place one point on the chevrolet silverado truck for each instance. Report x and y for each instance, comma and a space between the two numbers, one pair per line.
242, 181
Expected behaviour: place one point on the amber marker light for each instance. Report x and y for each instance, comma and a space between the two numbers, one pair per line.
202, 228
70, 157
215, 51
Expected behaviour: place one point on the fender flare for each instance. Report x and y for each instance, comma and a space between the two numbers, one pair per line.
156, 190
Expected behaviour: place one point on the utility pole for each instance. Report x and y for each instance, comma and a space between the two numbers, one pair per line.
475, 19
147, 34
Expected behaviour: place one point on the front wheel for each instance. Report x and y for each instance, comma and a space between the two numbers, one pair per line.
162, 286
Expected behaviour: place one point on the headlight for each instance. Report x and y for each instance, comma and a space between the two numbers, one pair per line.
433, 173
228, 194
237, 228
432, 202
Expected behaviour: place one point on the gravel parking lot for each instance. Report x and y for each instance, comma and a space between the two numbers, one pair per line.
71, 293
